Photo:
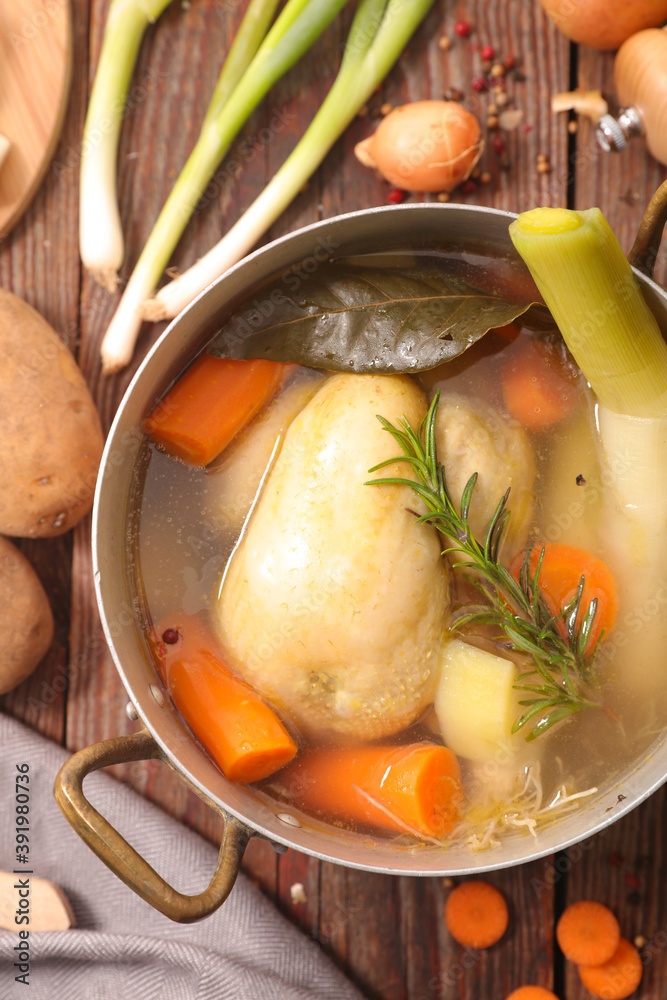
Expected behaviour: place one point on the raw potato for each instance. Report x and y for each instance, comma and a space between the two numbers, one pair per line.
335, 602
26, 622
50, 435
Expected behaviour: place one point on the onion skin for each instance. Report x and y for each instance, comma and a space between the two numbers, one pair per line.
424, 146
604, 24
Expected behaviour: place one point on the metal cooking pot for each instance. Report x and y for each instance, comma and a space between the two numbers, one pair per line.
455, 228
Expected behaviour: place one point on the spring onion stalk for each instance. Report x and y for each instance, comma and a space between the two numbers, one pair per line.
596, 301
100, 233
380, 30
299, 24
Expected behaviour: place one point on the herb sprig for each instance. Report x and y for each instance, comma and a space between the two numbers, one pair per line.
560, 669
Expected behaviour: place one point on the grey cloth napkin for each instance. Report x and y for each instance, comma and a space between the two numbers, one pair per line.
122, 948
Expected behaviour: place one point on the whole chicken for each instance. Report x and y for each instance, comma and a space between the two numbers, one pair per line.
334, 603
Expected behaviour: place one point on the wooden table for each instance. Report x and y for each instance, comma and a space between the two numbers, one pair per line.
386, 932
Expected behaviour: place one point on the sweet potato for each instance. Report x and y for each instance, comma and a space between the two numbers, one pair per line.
26, 622
50, 435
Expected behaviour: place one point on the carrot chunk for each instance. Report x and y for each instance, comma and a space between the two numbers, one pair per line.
243, 734
538, 389
562, 568
210, 404
476, 914
617, 978
588, 933
414, 788
532, 993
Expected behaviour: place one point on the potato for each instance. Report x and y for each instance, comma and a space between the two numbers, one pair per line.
50, 435
26, 622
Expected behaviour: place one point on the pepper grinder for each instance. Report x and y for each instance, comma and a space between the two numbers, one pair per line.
640, 76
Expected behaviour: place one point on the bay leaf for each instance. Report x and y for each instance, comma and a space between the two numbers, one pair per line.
365, 320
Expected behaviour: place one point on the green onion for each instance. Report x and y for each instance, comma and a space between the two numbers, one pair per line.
379, 33
100, 234
588, 285
297, 27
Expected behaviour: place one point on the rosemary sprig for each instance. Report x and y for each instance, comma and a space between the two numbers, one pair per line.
559, 669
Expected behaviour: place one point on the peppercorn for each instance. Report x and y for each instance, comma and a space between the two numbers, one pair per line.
444, 43
485, 177
444, 196
462, 29
170, 636
395, 195
509, 62
501, 99
453, 94
572, 127
497, 70
386, 108
498, 144
544, 167
487, 53
492, 122
468, 187
478, 83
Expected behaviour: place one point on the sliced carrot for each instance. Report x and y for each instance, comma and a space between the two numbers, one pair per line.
617, 978
588, 933
562, 568
210, 404
476, 914
243, 734
538, 388
532, 993
414, 788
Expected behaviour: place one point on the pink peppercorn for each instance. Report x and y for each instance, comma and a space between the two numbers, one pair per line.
526, 128
478, 83
468, 187
632, 881
395, 195
509, 62
170, 636
498, 144
488, 53
462, 29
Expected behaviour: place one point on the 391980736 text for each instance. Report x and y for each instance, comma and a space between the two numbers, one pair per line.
23, 873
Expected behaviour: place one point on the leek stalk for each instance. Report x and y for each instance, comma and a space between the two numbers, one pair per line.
100, 233
380, 30
596, 301
588, 285
299, 24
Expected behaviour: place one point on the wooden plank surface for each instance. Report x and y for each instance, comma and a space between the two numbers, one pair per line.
387, 933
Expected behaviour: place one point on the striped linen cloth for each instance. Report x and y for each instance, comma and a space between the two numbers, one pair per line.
122, 948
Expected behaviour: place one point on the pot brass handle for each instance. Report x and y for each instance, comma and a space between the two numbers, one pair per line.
647, 242
121, 857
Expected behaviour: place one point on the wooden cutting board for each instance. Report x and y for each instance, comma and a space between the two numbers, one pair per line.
35, 73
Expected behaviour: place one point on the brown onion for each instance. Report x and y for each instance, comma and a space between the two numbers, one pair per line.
424, 146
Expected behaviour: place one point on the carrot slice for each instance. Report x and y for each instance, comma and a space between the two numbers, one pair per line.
562, 568
532, 993
617, 978
588, 933
539, 390
414, 788
243, 734
476, 914
210, 404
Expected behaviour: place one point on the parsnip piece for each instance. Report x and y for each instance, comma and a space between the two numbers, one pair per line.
475, 701
474, 437
335, 602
